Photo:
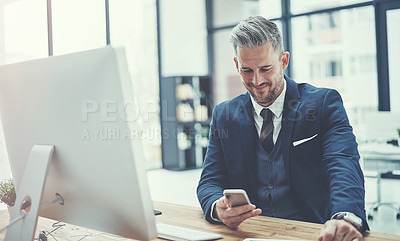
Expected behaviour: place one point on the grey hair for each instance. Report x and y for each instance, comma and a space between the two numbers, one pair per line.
256, 31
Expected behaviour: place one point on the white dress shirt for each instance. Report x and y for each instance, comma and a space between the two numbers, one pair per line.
276, 108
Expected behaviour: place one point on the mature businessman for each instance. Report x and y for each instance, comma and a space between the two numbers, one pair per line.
289, 146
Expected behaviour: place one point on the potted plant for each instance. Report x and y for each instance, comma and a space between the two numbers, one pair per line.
7, 193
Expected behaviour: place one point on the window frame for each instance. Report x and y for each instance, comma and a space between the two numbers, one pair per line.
380, 8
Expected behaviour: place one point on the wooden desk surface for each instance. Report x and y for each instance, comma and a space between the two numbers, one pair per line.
192, 217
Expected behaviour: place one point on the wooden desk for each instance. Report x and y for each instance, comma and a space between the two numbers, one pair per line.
192, 217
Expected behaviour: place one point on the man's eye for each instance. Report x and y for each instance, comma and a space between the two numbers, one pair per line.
247, 70
265, 70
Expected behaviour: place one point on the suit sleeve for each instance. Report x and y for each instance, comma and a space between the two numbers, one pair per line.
341, 158
213, 178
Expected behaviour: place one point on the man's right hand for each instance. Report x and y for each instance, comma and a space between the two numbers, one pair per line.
233, 216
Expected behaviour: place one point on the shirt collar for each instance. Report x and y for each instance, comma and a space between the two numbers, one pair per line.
276, 107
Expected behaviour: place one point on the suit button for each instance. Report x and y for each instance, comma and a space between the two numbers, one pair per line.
270, 160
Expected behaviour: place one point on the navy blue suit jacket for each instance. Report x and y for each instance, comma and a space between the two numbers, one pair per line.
324, 173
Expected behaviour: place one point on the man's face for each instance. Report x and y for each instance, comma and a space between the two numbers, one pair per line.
261, 71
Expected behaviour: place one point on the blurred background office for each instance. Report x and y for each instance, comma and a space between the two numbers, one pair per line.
181, 66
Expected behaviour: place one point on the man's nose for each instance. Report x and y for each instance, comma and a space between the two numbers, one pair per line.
256, 78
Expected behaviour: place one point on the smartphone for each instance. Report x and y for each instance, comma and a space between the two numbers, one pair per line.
236, 197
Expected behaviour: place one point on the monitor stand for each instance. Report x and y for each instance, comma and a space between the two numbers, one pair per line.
25, 212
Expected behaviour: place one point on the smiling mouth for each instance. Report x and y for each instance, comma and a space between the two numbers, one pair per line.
261, 86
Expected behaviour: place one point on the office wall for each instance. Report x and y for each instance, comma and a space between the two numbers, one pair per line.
183, 37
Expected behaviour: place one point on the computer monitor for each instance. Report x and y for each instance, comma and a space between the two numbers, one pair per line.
81, 104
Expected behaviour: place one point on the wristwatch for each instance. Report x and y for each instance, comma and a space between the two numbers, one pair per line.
351, 218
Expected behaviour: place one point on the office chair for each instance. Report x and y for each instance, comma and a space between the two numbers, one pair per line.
375, 205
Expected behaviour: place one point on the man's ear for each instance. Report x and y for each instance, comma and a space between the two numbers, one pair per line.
285, 59
236, 63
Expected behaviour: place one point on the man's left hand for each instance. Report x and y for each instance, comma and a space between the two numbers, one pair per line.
339, 230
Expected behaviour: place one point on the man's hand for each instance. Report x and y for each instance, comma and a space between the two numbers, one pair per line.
233, 216
339, 230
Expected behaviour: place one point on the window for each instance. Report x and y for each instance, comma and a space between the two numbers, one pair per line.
300, 6
25, 30
270, 8
78, 25
393, 18
330, 50
133, 25
23, 36
230, 12
81, 25
226, 81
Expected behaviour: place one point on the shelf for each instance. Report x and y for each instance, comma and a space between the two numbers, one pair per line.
185, 98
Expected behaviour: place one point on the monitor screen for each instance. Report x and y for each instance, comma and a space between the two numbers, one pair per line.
82, 104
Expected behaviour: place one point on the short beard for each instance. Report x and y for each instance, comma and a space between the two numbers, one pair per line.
272, 95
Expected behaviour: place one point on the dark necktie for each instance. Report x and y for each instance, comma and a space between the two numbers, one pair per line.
267, 130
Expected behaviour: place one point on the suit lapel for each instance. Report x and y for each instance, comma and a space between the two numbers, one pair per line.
248, 136
291, 106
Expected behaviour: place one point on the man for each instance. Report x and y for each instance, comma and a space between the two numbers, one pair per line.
296, 159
